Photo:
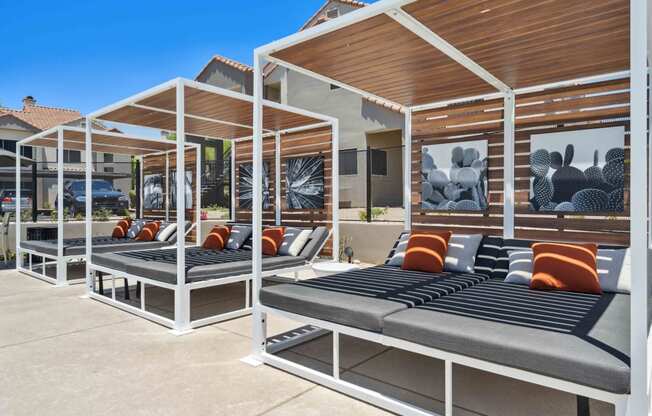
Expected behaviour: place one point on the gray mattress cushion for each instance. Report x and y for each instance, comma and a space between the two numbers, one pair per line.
576, 337
76, 246
167, 271
113, 261
362, 298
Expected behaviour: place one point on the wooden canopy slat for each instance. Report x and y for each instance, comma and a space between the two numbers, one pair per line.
521, 42
208, 114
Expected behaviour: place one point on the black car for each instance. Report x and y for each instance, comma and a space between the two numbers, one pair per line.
104, 197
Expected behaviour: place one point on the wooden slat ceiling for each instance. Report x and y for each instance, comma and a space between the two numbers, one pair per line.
209, 105
521, 42
74, 140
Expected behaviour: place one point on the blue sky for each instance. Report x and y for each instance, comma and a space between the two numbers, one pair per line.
87, 54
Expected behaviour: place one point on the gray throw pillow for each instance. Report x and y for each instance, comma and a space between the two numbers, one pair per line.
136, 228
239, 234
399, 252
165, 231
462, 249
294, 239
520, 267
614, 270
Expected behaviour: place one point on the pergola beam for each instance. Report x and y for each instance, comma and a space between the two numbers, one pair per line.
419, 29
328, 80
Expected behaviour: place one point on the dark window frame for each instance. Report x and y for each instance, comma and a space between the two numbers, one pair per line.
379, 166
352, 167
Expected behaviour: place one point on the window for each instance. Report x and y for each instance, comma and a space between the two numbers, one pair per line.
349, 162
378, 162
333, 13
9, 145
108, 157
71, 156
26, 151
273, 92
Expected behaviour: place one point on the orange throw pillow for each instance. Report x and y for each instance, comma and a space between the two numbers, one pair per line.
272, 239
120, 230
217, 238
149, 231
426, 251
569, 267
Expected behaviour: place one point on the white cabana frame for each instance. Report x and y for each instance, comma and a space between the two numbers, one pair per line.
234, 131
635, 403
70, 138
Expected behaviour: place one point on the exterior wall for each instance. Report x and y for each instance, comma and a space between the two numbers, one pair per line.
357, 117
371, 242
388, 190
225, 76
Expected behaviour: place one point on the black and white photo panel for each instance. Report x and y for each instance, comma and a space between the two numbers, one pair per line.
579, 171
153, 191
304, 178
246, 183
454, 176
187, 189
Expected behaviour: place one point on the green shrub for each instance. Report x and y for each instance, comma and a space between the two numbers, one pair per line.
102, 215
375, 213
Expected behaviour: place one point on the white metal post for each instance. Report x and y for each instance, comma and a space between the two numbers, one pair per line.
407, 170
258, 342
61, 263
638, 404
141, 209
508, 128
167, 187
232, 183
198, 234
181, 294
18, 232
335, 178
277, 178
88, 204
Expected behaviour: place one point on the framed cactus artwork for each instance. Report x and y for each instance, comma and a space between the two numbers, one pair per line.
580, 171
454, 176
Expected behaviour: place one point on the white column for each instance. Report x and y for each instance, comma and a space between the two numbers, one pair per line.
233, 184
335, 178
167, 186
407, 170
638, 404
141, 212
198, 238
181, 294
258, 341
61, 264
509, 127
88, 203
277, 178
18, 232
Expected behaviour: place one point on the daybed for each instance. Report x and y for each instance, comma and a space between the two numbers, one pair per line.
475, 319
204, 268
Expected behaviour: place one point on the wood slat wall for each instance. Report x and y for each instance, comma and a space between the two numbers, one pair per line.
316, 142
155, 164
589, 106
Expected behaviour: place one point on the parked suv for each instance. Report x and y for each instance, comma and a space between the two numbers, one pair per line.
8, 200
104, 197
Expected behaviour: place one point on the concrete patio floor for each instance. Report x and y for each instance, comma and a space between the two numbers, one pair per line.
62, 355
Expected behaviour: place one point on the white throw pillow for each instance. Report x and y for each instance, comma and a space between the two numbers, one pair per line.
399, 252
614, 270
166, 231
136, 228
462, 249
520, 267
294, 241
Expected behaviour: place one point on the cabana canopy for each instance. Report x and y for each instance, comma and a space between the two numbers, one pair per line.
210, 112
385, 50
103, 141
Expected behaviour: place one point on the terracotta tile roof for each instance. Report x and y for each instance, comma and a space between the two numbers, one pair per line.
42, 117
230, 62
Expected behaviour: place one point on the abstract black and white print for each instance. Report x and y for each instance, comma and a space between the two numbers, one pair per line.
153, 191
578, 171
187, 188
304, 178
454, 176
246, 184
